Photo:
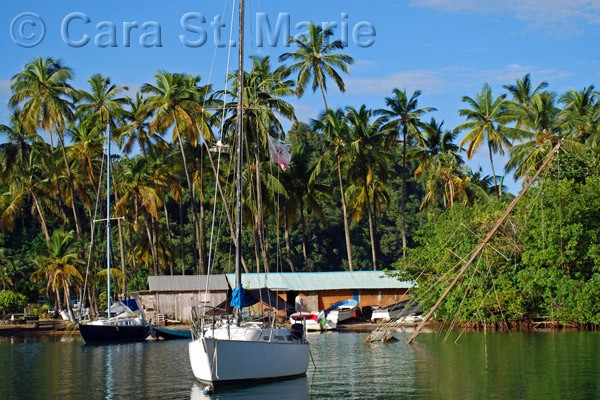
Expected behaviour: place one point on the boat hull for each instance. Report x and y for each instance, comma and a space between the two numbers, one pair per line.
113, 333
171, 333
219, 362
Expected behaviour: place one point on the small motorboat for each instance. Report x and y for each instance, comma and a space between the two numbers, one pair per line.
403, 311
312, 322
341, 311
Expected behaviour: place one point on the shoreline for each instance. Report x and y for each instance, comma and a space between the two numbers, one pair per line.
60, 327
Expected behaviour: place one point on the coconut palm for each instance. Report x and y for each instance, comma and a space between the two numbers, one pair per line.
263, 104
46, 98
57, 266
580, 116
136, 131
405, 116
370, 142
179, 104
486, 123
104, 102
333, 125
436, 140
315, 60
43, 93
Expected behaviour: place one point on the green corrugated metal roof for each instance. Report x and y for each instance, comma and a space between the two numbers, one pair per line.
312, 281
186, 283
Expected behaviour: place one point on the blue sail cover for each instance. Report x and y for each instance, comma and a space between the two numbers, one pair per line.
241, 299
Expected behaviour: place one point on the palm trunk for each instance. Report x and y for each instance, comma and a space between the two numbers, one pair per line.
72, 191
372, 234
41, 215
122, 255
169, 236
259, 213
498, 190
403, 194
345, 211
288, 246
303, 228
323, 95
190, 187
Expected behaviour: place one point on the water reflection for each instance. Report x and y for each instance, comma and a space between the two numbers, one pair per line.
292, 389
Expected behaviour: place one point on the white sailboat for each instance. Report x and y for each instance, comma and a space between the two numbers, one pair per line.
128, 324
232, 351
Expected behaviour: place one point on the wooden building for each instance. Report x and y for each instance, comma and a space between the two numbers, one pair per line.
174, 296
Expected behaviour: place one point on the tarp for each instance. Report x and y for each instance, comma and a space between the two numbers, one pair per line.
248, 297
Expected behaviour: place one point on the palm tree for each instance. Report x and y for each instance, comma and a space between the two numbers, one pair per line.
580, 116
179, 103
103, 103
6, 269
405, 116
446, 182
522, 93
370, 142
137, 129
333, 125
544, 125
44, 95
303, 194
144, 183
436, 140
21, 168
486, 122
314, 60
58, 267
264, 88
46, 98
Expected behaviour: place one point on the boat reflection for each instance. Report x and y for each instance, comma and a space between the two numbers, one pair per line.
292, 389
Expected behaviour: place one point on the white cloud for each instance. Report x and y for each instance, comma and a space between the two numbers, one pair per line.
429, 81
553, 16
450, 79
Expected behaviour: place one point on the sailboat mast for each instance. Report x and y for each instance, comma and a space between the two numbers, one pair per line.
108, 214
239, 131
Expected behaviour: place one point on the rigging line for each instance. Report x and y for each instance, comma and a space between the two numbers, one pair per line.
87, 269
488, 245
221, 134
212, 65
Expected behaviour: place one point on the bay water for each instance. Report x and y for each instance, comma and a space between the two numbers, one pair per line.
556, 365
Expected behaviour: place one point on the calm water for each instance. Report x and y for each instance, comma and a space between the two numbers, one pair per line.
563, 365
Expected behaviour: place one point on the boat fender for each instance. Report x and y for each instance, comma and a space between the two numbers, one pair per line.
208, 390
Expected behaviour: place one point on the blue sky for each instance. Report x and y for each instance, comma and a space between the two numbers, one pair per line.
446, 48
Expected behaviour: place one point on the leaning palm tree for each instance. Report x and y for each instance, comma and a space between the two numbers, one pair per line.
179, 103
405, 116
314, 60
333, 125
486, 123
46, 98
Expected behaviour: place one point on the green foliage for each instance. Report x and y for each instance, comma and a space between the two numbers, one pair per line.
11, 302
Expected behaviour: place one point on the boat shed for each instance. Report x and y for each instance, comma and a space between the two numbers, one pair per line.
172, 297
313, 291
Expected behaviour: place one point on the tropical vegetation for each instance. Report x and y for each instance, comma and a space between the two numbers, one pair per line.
366, 188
